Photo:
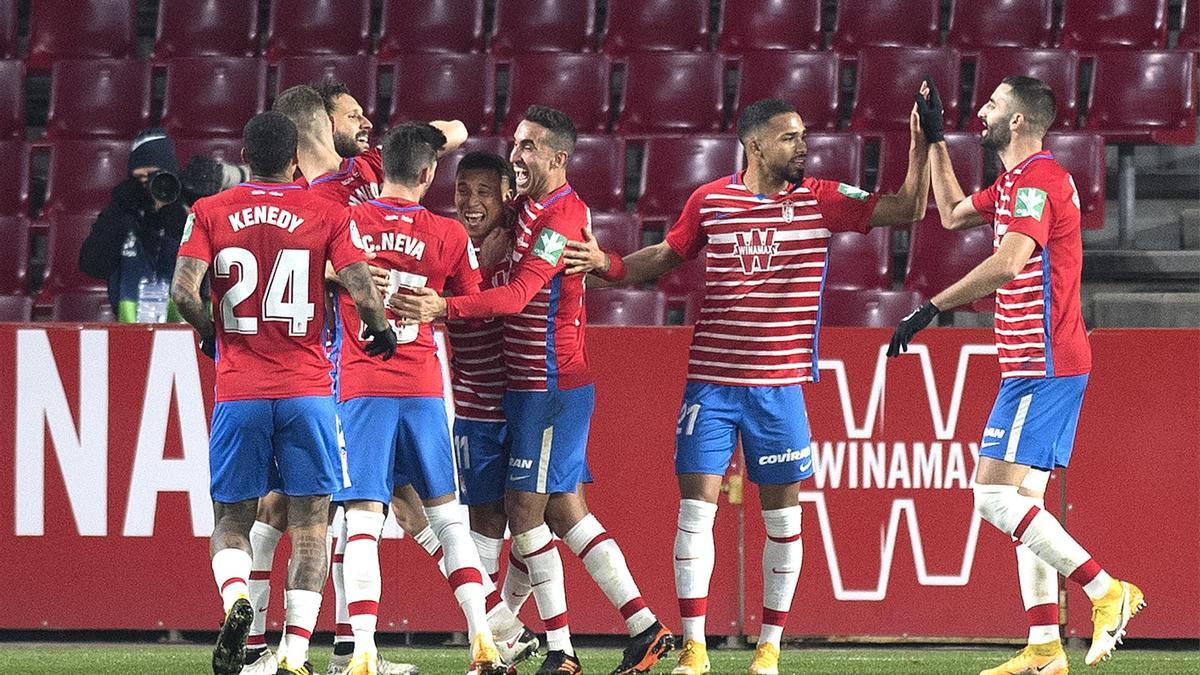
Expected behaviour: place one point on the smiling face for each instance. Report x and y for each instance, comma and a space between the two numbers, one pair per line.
351, 128
479, 196
996, 115
534, 159
780, 146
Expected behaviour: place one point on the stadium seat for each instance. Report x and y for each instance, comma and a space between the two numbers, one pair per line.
86, 29
617, 231
748, 25
107, 98
85, 307
674, 166
684, 287
966, 156
597, 171
1058, 68
1140, 97
1189, 29
213, 96
984, 25
14, 232
903, 23
222, 149
440, 197
62, 275
431, 26
357, 71
656, 25
577, 84
12, 109
889, 76
82, 174
302, 27
672, 92
208, 28
626, 307
867, 307
432, 86
834, 156
1082, 155
860, 260
8, 28
14, 192
16, 308
938, 257
1091, 25
544, 26
809, 80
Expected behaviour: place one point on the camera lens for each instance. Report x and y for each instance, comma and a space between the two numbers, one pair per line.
164, 187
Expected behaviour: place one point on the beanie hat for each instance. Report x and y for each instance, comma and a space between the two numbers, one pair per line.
151, 147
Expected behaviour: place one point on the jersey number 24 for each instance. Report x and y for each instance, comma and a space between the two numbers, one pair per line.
286, 297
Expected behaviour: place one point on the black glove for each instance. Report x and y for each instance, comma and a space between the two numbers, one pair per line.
909, 326
208, 346
931, 113
381, 343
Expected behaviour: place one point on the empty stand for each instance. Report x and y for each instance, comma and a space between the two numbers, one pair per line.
8, 28
208, 28
82, 174
223, 149
860, 260
14, 191
684, 287
213, 96
982, 25
1082, 155
62, 275
966, 156
12, 108
577, 84
15, 308
748, 25
299, 27
809, 80
14, 232
1058, 68
107, 98
1089, 25
544, 26
873, 308
889, 76
834, 156
82, 307
440, 197
1189, 30
674, 166
672, 92
627, 307
617, 231
938, 257
433, 86
596, 169
1144, 97
85, 29
862, 23
431, 26
656, 25
356, 71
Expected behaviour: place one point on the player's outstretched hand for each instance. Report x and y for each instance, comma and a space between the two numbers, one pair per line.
930, 112
421, 305
909, 326
585, 256
382, 343
208, 346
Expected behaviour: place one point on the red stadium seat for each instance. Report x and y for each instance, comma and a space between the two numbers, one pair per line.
433, 86
8, 28
440, 197
983, 25
356, 71
1141, 97
14, 232
107, 98
870, 307
12, 109
656, 25
748, 25
224, 149
209, 28
1058, 68
431, 26
14, 163
1189, 29
684, 287
1082, 155
300, 27
834, 156
213, 96
889, 76
938, 257
576, 84
1089, 25
86, 29
82, 174
17, 308
597, 171
902, 23
860, 260
626, 307
672, 92
67, 232
85, 307
617, 231
966, 156
544, 26
674, 166
809, 80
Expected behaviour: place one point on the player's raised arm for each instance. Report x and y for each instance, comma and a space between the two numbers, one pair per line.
455, 132
956, 211
908, 204
185, 292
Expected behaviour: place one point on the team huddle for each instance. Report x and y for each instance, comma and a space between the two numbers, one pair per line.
326, 274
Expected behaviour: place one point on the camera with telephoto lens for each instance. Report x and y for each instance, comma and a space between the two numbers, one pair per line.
202, 177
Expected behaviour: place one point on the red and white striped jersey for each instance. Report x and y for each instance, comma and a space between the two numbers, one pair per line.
1039, 321
764, 272
477, 360
356, 181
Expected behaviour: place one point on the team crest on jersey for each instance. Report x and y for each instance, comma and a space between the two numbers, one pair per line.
756, 247
788, 211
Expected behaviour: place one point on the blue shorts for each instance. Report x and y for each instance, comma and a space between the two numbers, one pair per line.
771, 422
548, 433
482, 449
253, 439
387, 437
1033, 421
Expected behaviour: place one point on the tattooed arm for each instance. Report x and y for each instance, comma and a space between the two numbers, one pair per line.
357, 281
185, 292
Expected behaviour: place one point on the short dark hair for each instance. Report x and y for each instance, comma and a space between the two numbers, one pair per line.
330, 89
408, 148
487, 161
269, 141
558, 123
304, 106
1034, 99
757, 114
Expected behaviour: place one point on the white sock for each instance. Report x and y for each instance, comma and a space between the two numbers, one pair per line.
605, 562
361, 578
504, 624
783, 554
342, 633
231, 568
461, 560
546, 576
263, 540
695, 555
516, 588
302, 610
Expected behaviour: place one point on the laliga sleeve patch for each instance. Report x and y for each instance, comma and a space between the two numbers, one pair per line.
471, 257
853, 192
187, 227
550, 246
1030, 203
355, 236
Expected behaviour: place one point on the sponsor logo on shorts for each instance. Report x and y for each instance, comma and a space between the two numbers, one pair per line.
803, 455
993, 432
520, 463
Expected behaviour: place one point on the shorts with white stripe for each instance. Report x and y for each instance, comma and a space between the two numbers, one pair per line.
548, 433
1033, 421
